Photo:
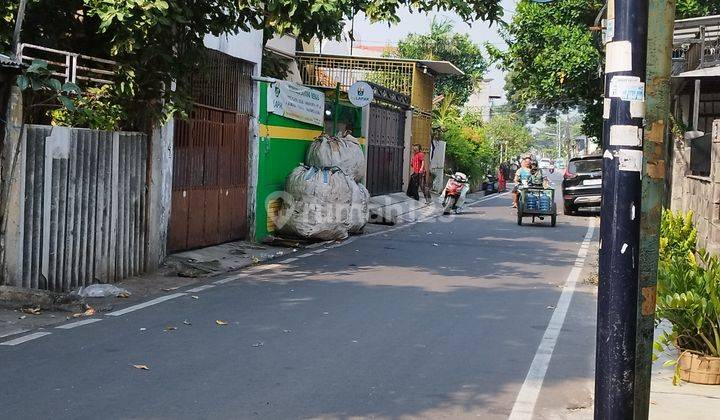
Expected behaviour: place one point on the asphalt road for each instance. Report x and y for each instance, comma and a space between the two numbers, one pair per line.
441, 319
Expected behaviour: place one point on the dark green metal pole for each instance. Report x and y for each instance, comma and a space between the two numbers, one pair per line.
336, 108
661, 14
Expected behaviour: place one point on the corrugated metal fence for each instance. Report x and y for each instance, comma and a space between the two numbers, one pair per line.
84, 209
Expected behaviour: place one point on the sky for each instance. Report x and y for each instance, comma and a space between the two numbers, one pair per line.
480, 33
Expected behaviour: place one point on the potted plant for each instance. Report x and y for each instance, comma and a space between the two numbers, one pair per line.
688, 296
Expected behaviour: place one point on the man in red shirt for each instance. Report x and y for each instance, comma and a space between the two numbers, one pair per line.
418, 177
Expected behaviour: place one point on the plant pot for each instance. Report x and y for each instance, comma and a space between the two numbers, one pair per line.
699, 369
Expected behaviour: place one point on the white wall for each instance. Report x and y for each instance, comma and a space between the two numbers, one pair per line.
243, 45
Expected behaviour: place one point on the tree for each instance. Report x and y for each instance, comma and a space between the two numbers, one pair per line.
159, 43
442, 43
555, 62
509, 130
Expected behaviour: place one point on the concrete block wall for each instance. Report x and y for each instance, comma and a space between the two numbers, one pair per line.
699, 194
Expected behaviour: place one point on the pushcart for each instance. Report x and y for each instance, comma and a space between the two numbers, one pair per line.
536, 202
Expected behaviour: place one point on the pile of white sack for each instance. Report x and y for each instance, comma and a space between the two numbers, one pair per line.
326, 200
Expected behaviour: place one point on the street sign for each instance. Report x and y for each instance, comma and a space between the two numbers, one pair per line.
361, 94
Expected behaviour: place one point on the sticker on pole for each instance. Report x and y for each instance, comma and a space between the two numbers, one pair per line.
627, 88
360, 94
630, 160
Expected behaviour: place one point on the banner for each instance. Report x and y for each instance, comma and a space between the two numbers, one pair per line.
296, 102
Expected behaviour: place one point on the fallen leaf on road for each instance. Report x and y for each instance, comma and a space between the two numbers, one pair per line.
141, 367
258, 344
32, 311
89, 311
186, 322
220, 322
170, 328
170, 289
123, 295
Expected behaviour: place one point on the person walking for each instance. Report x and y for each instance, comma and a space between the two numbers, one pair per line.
418, 175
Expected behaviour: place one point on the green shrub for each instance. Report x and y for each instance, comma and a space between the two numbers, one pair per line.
688, 290
93, 109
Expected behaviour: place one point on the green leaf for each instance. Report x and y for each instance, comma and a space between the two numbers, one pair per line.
669, 363
55, 84
23, 82
71, 87
67, 102
36, 66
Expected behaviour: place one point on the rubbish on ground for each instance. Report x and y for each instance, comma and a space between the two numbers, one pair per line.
22, 317
170, 289
32, 311
195, 297
258, 344
101, 290
255, 259
143, 329
359, 208
141, 367
89, 311
186, 322
221, 322
436, 245
170, 328
343, 152
319, 207
287, 331
550, 307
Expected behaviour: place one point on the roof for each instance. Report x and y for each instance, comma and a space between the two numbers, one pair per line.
438, 67
688, 30
703, 72
7, 62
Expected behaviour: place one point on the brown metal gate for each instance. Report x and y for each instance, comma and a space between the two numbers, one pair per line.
386, 146
210, 162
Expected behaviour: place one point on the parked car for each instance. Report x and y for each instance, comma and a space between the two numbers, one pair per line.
582, 184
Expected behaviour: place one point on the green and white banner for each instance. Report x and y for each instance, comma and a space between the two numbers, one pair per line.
296, 102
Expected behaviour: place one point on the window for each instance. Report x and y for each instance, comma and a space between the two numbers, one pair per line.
700, 155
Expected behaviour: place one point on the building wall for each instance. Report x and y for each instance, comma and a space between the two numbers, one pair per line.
282, 147
699, 194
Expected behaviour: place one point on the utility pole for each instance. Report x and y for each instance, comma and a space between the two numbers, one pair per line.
657, 110
18, 27
620, 214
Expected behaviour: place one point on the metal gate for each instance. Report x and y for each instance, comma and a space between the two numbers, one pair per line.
386, 146
210, 162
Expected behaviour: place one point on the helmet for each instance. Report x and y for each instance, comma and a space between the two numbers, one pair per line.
460, 177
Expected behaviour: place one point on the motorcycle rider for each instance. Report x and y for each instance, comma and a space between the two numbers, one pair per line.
522, 174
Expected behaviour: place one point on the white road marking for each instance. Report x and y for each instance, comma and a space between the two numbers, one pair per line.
232, 278
289, 260
14, 332
201, 288
530, 391
78, 323
304, 255
320, 251
25, 339
145, 304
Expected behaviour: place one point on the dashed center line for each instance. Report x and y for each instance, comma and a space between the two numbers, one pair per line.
78, 323
145, 304
25, 338
289, 260
201, 288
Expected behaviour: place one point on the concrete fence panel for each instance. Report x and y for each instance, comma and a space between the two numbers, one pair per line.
84, 207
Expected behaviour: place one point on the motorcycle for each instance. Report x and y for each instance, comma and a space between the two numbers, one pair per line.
453, 196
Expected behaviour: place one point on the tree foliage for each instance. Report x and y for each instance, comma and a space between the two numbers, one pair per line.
555, 62
159, 43
442, 43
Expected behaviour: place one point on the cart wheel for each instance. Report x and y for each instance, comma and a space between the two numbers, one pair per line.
553, 220
520, 216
